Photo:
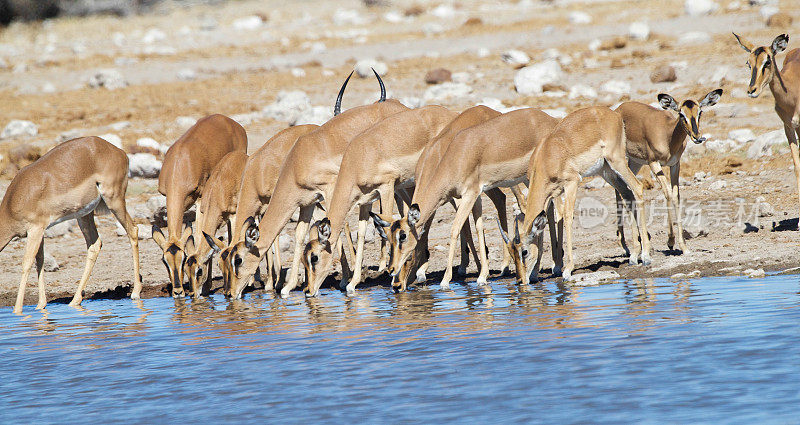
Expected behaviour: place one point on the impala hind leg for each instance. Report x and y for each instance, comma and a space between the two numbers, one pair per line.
620, 214
663, 175
792, 136
464, 208
631, 189
40, 275
35, 237
93, 245
467, 246
117, 206
388, 197
556, 237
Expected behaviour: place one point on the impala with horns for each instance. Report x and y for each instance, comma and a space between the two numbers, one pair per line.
784, 85
307, 177
656, 139
375, 163
187, 165
489, 155
217, 206
398, 230
69, 182
587, 142
257, 183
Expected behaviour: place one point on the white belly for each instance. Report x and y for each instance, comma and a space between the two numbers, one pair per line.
594, 169
86, 209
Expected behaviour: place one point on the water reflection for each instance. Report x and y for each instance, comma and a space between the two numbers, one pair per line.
644, 349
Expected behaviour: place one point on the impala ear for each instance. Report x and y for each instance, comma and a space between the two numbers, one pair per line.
158, 237
248, 223
667, 102
413, 215
746, 45
324, 229
539, 222
779, 44
711, 98
251, 236
187, 232
213, 243
189, 246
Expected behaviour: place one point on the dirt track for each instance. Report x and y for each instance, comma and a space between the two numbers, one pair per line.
241, 71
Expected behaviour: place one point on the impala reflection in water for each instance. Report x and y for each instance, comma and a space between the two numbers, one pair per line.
709, 350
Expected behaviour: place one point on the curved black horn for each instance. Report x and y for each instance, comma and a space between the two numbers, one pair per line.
383, 88
337, 108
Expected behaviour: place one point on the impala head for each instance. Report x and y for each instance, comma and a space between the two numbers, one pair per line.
243, 259
198, 265
173, 256
689, 112
518, 251
396, 233
762, 63
317, 255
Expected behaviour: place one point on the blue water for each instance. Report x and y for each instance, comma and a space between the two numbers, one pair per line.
718, 350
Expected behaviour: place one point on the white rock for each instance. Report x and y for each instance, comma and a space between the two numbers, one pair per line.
153, 35
143, 165
156, 205
762, 145
110, 79
594, 278
582, 91
742, 135
113, 139
16, 128
767, 11
446, 91
187, 74
699, 7
208, 24
349, 17
493, 103
595, 44
432, 28
288, 106
515, 58
149, 143
555, 113
393, 17
639, 31
364, 68
246, 119
58, 230
482, 52
580, 18
119, 125
185, 122
248, 23
461, 77
596, 183
69, 135
298, 72
50, 263
529, 80
48, 87
718, 185
694, 37
443, 11
700, 176
722, 146
754, 273
616, 87
285, 242
317, 115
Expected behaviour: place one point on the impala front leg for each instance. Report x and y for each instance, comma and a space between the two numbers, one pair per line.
387, 196
666, 189
40, 274
363, 216
791, 136
570, 193
464, 207
477, 213
306, 213
93, 245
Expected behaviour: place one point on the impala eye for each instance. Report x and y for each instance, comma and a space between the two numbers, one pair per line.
237, 261
402, 237
199, 272
524, 252
314, 258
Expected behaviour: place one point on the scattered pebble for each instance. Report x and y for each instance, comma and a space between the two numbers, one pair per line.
694, 37
446, 91
288, 106
248, 23
149, 143
616, 87
663, 74
699, 7
187, 74
438, 76
515, 58
718, 185
581, 91
316, 115
153, 35
742, 135
50, 263
58, 230
580, 18
763, 144
110, 79
639, 31
682, 276
185, 122
593, 278
754, 273
113, 139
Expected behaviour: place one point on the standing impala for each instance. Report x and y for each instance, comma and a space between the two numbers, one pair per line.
399, 231
217, 206
785, 88
70, 181
306, 178
375, 162
658, 140
587, 142
492, 154
186, 167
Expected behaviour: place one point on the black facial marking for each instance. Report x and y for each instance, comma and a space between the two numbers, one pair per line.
191, 261
173, 249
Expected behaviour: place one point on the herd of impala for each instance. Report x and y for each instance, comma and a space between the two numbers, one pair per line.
417, 159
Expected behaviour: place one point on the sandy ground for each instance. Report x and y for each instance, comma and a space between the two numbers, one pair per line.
240, 71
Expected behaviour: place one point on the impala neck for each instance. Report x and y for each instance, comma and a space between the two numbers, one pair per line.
678, 140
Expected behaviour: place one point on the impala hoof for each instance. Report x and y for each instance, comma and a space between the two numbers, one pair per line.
481, 281
421, 277
557, 271
350, 291
444, 286
646, 260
